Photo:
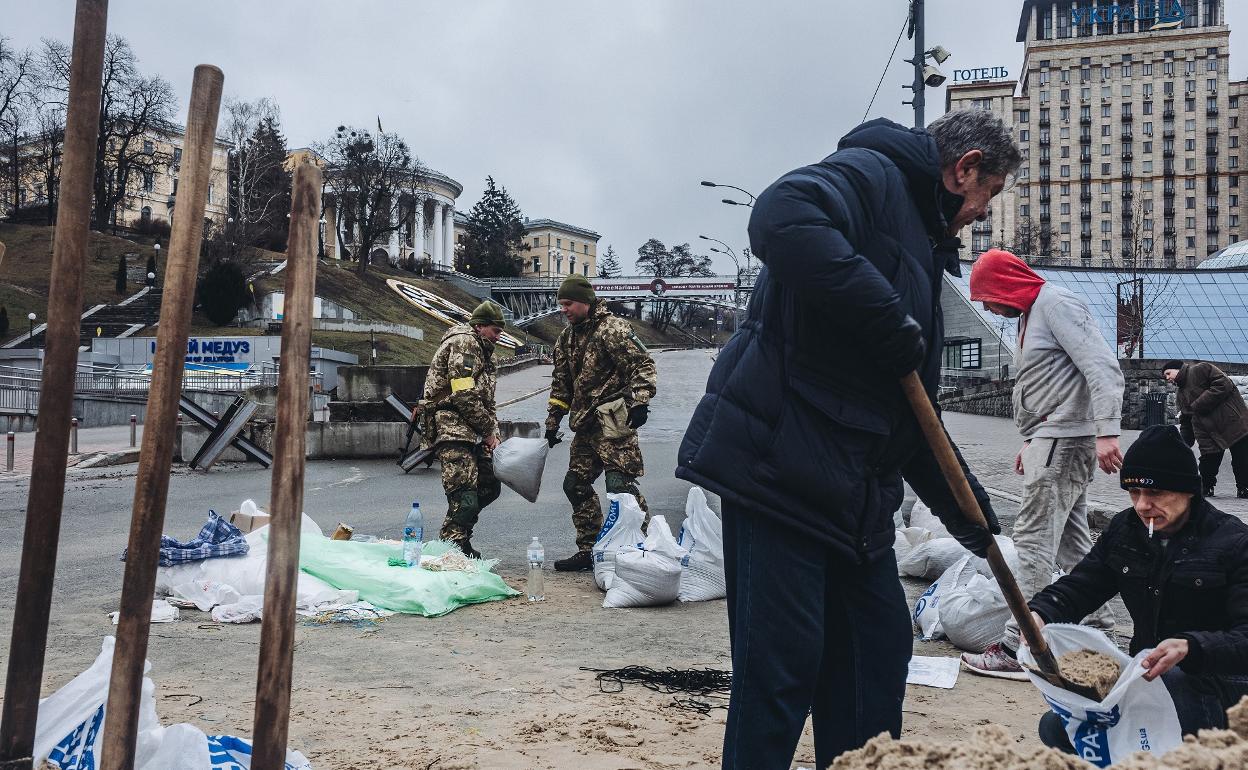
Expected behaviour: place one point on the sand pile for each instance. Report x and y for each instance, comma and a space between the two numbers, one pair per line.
993, 747
1094, 670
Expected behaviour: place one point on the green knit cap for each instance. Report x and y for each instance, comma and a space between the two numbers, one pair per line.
487, 313
578, 289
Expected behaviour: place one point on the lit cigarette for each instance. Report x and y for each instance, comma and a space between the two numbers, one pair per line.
1150, 528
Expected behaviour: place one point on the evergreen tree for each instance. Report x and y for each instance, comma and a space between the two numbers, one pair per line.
4, 321
121, 275
265, 202
495, 235
609, 267
222, 291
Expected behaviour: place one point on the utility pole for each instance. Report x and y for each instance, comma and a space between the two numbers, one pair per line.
920, 58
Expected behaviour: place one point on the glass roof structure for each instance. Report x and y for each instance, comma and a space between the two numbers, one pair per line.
1198, 314
1233, 256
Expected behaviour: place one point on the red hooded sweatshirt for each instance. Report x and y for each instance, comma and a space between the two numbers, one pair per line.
999, 276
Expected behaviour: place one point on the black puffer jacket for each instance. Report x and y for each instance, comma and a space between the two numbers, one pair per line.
799, 422
1196, 588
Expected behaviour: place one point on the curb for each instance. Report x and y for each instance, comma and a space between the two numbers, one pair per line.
104, 459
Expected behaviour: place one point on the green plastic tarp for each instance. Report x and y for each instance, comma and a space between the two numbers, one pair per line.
364, 567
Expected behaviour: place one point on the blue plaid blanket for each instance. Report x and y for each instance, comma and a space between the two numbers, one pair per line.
217, 538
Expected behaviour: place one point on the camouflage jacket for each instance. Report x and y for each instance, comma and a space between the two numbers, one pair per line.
596, 361
459, 389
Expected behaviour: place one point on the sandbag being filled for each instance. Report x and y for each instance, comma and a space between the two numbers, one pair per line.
648, 576
702, 568
621, 529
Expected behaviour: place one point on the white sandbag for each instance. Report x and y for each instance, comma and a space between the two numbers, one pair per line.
648, 576
931, 558
248, 609
922, 517
519, 463
702, 535
621, 529
907, 538
1135, 715
928, 612
974, 615
69, 730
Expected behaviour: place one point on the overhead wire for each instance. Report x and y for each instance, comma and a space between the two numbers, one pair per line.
905, 24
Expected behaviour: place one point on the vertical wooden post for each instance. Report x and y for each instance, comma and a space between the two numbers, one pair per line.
277, 637
47, 480
152, 484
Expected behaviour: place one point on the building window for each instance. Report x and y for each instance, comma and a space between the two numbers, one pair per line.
210, 190
962, 354
147, 181
585, 269
571, 245
147, 146
537, 263
536, 242
177, 155
146, 214
558, 243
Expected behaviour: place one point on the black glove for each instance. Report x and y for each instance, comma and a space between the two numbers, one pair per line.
1189, 437
637, 415
972, 537
902, 350
552, 437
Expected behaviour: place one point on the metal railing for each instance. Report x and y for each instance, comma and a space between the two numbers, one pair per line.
19, 387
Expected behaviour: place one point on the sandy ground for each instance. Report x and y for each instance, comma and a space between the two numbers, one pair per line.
498, 686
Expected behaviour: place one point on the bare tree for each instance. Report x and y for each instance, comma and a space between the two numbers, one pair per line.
43, 156
1032, 239
259, 181
133, 110
374, 180
18, 105
1145, 299
655, 259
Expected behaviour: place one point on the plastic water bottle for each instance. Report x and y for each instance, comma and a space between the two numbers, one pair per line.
413, 535
537, 558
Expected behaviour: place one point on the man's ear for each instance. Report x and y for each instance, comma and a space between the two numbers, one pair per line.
966, 170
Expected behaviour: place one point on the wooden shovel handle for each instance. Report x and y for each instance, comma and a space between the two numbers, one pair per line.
934, 432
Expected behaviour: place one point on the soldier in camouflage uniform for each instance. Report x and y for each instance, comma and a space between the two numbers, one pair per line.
458, 413
603, 379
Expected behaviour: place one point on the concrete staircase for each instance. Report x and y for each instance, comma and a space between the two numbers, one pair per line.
123, 319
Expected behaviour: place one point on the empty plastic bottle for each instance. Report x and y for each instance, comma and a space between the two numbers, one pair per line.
537, 583
413, 535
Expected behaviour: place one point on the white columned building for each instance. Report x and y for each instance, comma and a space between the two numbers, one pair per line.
438, 233
448, 235
418, 229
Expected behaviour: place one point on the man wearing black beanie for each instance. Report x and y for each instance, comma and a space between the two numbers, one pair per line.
1181, 567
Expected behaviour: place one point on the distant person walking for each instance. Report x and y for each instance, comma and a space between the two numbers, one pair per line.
1212, 414
1067, 406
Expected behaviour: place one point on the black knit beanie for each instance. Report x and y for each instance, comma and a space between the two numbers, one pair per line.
1160, 460
1172, 364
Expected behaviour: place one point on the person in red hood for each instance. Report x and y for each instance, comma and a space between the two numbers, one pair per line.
1004, 283
1067, 405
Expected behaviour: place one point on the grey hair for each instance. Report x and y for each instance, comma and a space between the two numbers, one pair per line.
960, 131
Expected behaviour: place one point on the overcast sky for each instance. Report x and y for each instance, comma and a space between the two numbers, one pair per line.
600, 113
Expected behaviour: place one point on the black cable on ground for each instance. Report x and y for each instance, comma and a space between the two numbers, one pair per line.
695, 683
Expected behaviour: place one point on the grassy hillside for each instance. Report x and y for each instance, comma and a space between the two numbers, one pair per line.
25, 273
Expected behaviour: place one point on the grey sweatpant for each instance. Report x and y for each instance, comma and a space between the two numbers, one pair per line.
1052, 527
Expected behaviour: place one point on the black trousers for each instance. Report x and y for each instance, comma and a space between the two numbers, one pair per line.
811, 634
1210, 463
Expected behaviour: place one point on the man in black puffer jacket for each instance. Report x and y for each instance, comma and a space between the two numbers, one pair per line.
805, 434
1185, 585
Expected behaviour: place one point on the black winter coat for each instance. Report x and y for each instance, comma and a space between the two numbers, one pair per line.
799, 422
1195, 589
1210, 407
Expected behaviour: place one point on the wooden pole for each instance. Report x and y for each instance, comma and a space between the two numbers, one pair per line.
152, 484
934, 432
47, 479
277, 636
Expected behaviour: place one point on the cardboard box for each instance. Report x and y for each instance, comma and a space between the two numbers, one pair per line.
249, 523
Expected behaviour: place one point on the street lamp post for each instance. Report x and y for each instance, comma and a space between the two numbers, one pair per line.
31, 317
728, 252
730, 201
320, 239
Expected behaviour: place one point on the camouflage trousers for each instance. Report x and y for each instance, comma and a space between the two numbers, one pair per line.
591, 454
470, 485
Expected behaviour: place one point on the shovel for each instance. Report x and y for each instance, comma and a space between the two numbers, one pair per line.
934, 432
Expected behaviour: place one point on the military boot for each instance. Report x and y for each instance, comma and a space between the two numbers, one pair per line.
580, 562
465, 545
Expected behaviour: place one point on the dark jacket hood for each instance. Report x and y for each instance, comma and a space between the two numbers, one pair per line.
914, 151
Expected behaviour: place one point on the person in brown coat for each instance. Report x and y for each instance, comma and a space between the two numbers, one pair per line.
1213, 413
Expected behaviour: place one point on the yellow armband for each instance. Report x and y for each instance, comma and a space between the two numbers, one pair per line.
462, 383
